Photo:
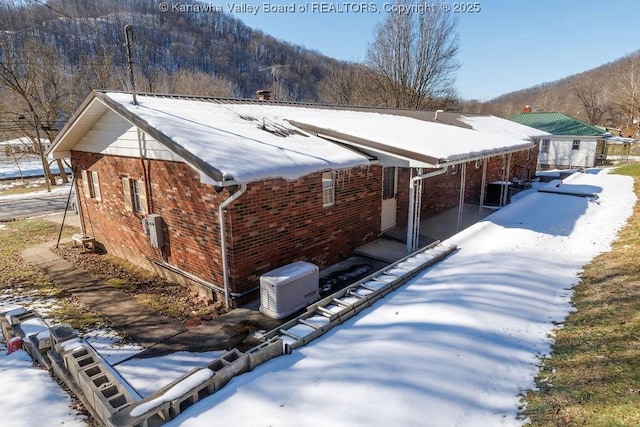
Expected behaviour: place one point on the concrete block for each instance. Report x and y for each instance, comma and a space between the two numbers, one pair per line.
61, 333
229, 365
94, 376
76, 360
16, 319
110, 399
265, 352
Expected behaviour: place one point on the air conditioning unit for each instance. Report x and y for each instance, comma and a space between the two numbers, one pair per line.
287, 289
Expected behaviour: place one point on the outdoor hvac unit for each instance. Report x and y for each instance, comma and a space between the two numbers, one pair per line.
287, 289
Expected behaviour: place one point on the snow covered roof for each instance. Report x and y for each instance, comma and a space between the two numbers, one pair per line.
614, 140
239, 141
503, 127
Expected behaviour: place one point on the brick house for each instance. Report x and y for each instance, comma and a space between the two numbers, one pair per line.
216, 192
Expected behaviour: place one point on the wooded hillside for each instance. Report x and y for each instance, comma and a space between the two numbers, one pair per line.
608, 95
55, 52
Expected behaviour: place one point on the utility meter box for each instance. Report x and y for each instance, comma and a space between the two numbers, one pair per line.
156, 234
287, 289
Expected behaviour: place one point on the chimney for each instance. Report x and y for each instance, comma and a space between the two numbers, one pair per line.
526, 109
263, 95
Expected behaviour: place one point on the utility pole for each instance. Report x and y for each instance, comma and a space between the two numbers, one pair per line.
45, 168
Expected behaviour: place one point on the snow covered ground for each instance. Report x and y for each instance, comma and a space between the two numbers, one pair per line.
455, 346
29, 166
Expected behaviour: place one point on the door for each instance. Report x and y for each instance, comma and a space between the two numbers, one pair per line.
389, 200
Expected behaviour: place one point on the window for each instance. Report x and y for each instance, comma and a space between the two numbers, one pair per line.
95, 184
91, 185
328, 190
576, 144
478, 163
388, 183
134, 194
544, 148
454, 169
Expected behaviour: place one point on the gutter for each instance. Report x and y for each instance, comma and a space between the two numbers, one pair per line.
223, 239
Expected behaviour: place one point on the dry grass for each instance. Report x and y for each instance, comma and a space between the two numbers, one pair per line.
26, 285
169, 298
593, 375
26, 186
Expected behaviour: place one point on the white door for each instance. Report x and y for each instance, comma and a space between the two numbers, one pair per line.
389, 201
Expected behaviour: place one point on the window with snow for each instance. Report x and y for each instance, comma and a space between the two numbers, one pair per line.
576, 144
328, 190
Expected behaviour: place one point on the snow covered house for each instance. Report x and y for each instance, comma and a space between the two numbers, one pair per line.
218, 192
571, 143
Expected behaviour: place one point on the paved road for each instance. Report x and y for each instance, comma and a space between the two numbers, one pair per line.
32, 206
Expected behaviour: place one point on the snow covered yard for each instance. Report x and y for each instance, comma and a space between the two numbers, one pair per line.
457, 345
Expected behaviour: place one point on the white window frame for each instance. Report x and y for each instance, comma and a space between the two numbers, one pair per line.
328, 190
91, 185
455, 168
575, 145
389, 183
134, 195
95, 186
544, 145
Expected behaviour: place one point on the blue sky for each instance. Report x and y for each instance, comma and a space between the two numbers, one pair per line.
508, 45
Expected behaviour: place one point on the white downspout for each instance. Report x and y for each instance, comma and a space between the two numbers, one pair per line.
414, 217
483, 185
463, 183
223, 239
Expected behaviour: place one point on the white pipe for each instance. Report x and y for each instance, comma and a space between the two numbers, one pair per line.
223, 239
463, 182
505, 196
413, 207
484, 184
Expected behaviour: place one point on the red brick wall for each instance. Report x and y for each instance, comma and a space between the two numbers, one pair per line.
272, 224
276, 223
188, 209
442, 192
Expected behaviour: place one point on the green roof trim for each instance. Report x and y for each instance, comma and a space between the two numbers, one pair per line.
557, 124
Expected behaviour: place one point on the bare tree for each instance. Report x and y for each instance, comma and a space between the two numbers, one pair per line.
628, 92
413, 55
349, 84
593, 99
197, 83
